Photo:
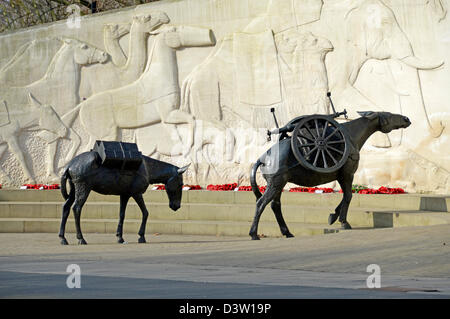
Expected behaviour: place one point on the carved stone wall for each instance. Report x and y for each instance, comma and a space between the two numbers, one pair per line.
194, 81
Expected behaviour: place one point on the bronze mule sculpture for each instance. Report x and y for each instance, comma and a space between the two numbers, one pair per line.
85, 174
288, 169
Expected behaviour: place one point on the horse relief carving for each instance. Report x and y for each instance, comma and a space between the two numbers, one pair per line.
153, 97
57, 90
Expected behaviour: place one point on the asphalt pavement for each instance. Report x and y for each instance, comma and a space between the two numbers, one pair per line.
364, 264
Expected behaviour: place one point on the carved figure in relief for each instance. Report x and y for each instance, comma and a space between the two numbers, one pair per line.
293, 78
301, 58
124, 68
18, 71
282, 15
371, 31
208, 139
57, 91
59, 86
151, 99
32, 117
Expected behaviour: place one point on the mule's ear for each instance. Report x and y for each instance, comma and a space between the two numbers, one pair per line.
369, 114
183, 169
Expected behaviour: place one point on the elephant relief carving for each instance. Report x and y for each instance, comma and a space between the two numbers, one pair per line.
372, 33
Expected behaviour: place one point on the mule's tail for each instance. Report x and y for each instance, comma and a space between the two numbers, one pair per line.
65, 176
255, 187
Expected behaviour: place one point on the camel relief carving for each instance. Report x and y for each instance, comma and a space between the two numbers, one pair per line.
301, 58
288, 72
124, 68
151, 99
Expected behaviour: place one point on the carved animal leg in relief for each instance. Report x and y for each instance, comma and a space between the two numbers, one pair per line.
75, 139
180, 117
5, 177
51, 153
15, 149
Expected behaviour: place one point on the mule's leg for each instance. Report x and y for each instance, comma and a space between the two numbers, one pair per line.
65, 215
346, 185
276, 207
51, 153
123, 206
81, 195
266, 198
140, 201
16, 150
333, 217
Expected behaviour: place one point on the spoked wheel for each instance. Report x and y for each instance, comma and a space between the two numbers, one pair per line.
320, 143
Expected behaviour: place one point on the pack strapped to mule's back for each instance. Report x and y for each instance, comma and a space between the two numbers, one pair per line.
120, 155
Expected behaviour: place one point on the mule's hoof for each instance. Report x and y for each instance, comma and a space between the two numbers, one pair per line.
64, 241
332, 218
345, 225
142, 240
120, 240
289, 235
255, 237
82, 242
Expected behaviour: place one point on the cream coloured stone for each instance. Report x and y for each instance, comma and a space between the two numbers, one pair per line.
194, 80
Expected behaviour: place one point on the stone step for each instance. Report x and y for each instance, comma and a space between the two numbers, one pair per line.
199, 211
437, 203
187, 227
357, 217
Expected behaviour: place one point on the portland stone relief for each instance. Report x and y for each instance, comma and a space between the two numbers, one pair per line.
193, 81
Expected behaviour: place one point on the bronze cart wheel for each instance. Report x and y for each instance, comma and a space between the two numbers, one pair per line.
320, 143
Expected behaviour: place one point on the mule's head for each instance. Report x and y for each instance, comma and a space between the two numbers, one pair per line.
85, 54
174, 188
387, 121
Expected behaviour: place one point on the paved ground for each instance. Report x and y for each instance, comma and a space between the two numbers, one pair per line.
414, 263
